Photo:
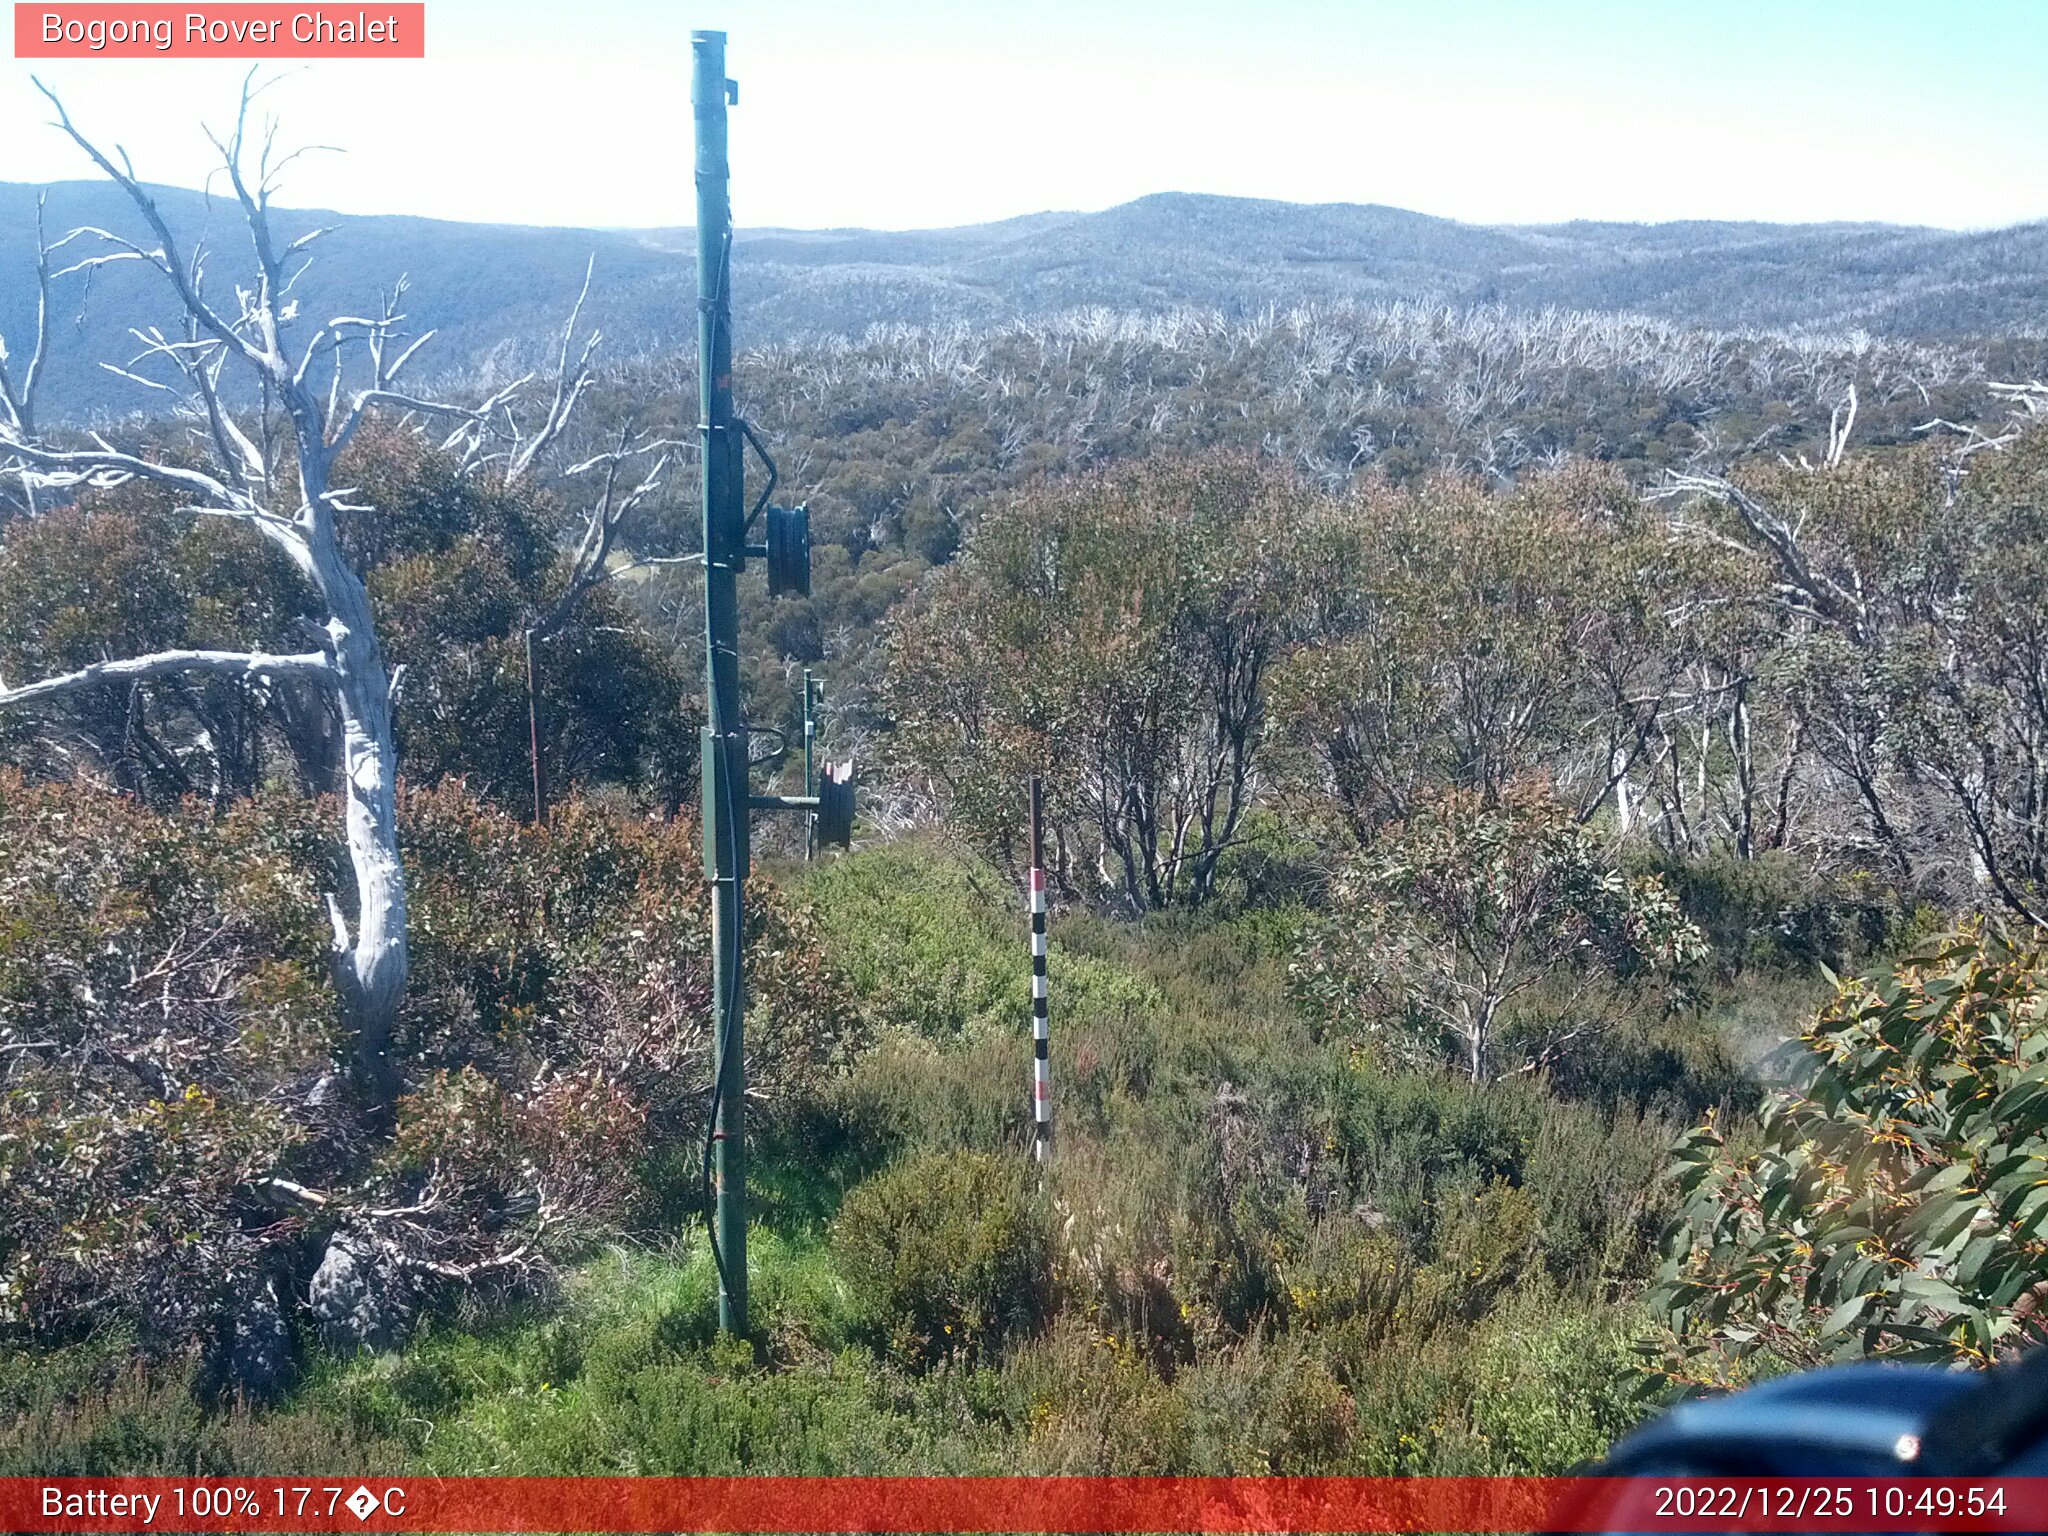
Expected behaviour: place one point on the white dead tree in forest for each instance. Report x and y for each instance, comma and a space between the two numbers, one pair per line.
627, 475
1801, 586
230, 365
20, 379
622, 488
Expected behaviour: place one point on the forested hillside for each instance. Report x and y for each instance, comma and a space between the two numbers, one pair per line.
1237, 256
899, 439
1483, 748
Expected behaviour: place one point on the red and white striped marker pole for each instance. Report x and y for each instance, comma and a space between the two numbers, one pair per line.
1041, 1024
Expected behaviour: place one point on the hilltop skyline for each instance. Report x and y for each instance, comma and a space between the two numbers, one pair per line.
1150, 256
915, 115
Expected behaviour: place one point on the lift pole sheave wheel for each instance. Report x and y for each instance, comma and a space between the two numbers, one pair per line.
789, 551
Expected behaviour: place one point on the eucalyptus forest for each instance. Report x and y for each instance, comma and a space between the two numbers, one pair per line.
1547, 838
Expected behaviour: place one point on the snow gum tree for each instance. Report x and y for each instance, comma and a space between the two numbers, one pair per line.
274, 399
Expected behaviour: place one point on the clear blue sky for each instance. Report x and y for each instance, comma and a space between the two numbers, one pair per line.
908, 113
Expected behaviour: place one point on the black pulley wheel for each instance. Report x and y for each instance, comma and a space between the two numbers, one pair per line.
789, 551
835, 805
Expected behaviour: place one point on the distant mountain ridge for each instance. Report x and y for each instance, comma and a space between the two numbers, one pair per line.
495, 292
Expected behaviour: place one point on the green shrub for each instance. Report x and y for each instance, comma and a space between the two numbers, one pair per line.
87, 1410
1897, 1199
1267, 1406
1083, 1403
1536, 1389
1123, 1247
1553, 1389
1776, 912
922, 940
946, 1255
908, 1093
1482, 929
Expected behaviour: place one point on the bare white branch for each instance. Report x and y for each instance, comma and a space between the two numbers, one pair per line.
570, 382
140, 669
1826, 597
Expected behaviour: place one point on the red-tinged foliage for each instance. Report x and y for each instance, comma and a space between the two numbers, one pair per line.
173, 1108
164, 1019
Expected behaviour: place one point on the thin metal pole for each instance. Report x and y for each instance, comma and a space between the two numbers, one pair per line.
540, 772
725, 742
810, 774
1041, 1023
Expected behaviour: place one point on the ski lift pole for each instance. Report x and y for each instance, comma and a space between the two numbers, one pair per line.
728, 802
725, 807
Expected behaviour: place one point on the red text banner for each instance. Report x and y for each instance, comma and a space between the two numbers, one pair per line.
232, 31
1022, 1504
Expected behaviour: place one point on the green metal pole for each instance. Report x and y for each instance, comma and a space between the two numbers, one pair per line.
725, 742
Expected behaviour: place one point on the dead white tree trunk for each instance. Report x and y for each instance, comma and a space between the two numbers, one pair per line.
323, 386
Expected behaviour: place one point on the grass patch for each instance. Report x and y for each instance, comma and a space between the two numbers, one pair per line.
1256, 1250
